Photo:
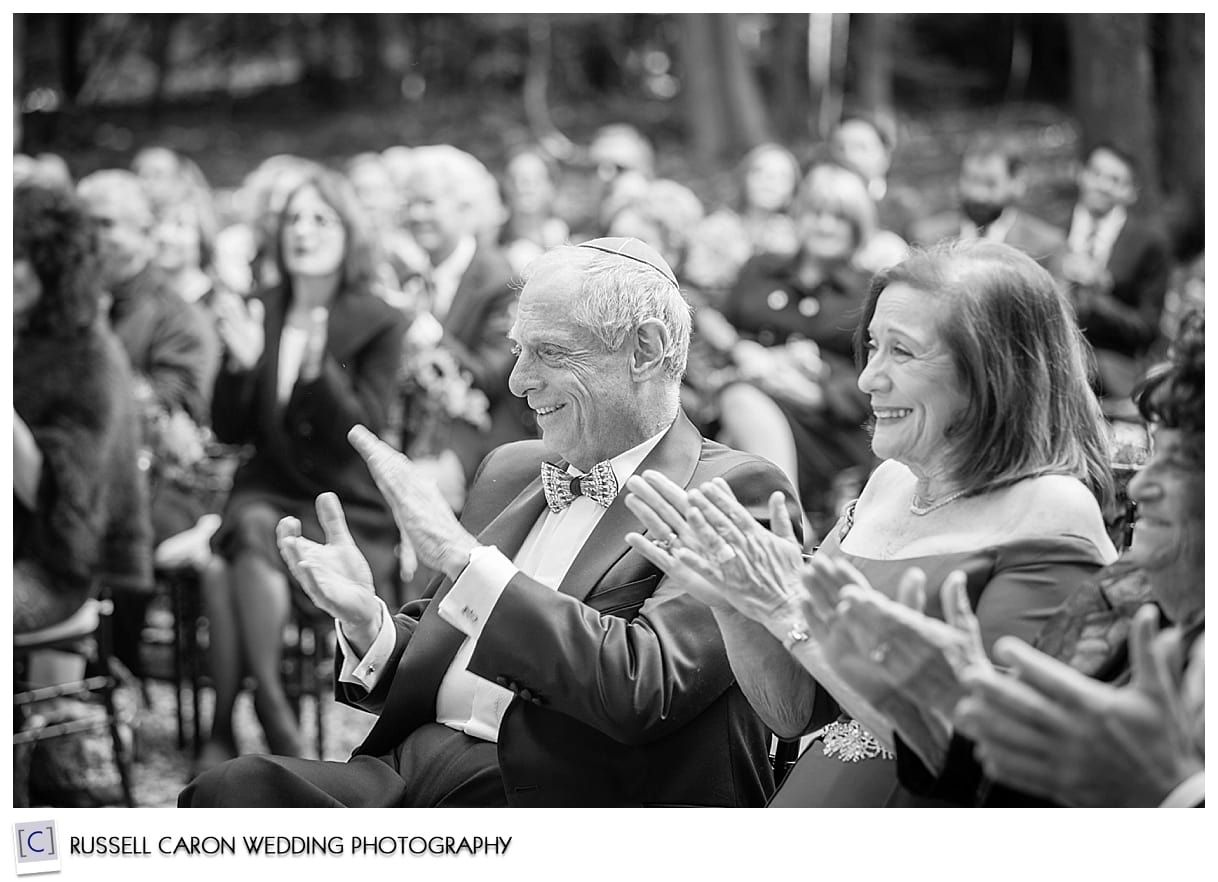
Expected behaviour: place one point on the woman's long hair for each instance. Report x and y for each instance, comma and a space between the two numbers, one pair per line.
360, 254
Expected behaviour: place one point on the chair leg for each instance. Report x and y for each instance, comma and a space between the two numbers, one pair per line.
122, 760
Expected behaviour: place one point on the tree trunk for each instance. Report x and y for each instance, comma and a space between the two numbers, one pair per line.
871, 37
704, 110
1182, 135
747, 124
1113, 89
162, 28
19, 50
72, 28
789, 74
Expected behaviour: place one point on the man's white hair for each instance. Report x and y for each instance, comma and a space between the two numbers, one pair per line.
617, 295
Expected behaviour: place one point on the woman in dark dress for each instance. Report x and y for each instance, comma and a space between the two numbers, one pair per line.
995, 467
305, 362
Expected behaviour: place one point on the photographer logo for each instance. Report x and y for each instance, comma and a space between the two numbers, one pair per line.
36, 845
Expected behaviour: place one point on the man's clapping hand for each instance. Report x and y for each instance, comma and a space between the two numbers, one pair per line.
335, 575
423, 517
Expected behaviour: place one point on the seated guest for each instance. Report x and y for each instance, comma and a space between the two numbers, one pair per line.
482, 688
168, 177
789, 331
623, 161
995, 465
1089, 726
1117, 268
461, 334
173, 352
769, 176
661, 215
867, 143
378, 195
304, 362
993, 179
530, 188
80, 507
185, 237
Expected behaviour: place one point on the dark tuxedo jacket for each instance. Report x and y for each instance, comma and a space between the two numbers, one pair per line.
1039, 239
624, 694
1127, 321
475, 331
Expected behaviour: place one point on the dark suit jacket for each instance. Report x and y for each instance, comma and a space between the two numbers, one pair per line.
1039, 239
475, 331
301, 448
630, 697
1127, 321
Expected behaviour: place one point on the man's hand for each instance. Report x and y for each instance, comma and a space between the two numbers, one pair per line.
1053, 732
335, 575
422, 515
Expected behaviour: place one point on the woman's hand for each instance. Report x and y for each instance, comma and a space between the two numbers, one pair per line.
240, 324
715, 548
922, 658
662, 507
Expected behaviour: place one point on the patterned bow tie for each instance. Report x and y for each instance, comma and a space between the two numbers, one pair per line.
599, 485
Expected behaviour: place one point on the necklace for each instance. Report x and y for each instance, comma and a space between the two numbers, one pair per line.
919, 508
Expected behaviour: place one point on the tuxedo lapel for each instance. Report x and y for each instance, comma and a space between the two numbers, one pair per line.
676, 456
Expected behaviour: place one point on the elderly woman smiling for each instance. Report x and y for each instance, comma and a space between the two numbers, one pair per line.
994, 465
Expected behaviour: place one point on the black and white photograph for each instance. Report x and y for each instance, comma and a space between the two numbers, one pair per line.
608, 410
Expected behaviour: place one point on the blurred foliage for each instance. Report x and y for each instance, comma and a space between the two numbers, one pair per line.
231, 89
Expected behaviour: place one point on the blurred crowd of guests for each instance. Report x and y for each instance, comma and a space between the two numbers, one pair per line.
188, 362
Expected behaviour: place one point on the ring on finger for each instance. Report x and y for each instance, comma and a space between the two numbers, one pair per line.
879, 653
665, 543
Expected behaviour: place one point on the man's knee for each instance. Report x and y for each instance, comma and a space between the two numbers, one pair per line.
246, 781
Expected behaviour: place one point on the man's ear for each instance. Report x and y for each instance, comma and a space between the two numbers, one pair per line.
651, 342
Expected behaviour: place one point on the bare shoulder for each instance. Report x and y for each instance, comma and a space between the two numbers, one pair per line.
890, 480
1056, 504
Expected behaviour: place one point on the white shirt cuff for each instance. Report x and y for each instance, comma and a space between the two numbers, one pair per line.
367, 671
1188, 793
473, 596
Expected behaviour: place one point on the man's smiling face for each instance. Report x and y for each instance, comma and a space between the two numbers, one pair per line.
584, 397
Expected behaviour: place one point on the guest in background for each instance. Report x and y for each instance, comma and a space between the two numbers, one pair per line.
662, 215
867, 143
993, 180
80, 506
530, 185
789, 331
769, 176
304, 362
458, 357
173, 352
1117, 268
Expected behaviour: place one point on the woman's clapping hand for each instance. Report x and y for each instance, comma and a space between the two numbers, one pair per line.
239, 323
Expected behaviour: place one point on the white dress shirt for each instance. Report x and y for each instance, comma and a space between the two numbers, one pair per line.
292, 345
465, 701
446, 277
1107, 228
